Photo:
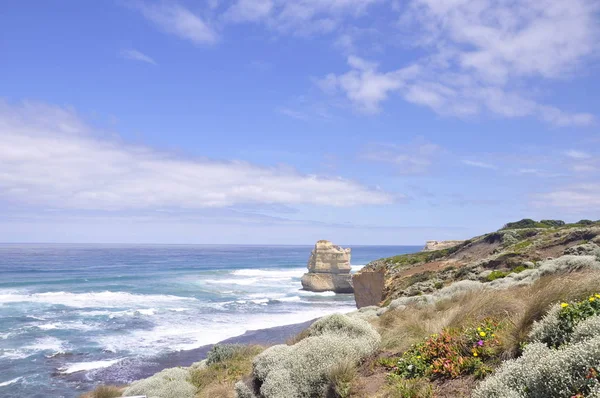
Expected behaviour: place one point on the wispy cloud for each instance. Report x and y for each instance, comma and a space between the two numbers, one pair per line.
300, 17
177, 20
136, 55
577, 154
249, 10
479, 57
292, 113
414, 158
578, 198
49, 157
481, 165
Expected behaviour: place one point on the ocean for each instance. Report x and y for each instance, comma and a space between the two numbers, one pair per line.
72, 316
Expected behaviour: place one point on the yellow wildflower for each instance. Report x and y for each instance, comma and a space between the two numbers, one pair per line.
493, 335
479, 329
418, 357
482, 334
474, 353
564, 305
592, 299
597, 295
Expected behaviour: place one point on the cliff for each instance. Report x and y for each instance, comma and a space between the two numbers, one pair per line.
514, 248
433, 245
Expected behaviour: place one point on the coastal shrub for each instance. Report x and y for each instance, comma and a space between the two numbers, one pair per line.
529, 223
540, 297
586, 329
170, 383
496, 275
303, 370
228, 364
222, 352
585, 222
586, 249
243, 391
452, 353
544, 372
561, 321
104, 392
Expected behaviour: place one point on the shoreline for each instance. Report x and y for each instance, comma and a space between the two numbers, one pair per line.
131, 369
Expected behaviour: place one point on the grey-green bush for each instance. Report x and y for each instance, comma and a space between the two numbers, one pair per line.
301, 370
544, 372
586, 329
222, 352
243, 391
170, 383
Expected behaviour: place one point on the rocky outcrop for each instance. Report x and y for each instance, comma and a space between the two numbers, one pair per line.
368, 287
433, 245
328, 269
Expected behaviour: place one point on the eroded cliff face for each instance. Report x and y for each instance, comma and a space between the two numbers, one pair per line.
328, 269
433, 245
369, 287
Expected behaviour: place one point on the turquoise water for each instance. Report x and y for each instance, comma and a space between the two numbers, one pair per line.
79, 310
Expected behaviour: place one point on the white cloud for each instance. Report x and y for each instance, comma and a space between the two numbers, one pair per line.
49, 157
249, 10
136, 55
502, 39
177, 20
580, 198
481, 165
300, 17
414, 158
577, 154
292, 113
483, 56
365, 86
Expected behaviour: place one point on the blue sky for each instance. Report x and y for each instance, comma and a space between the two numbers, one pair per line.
269, 121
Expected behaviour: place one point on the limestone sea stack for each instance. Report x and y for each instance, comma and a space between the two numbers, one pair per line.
328, 269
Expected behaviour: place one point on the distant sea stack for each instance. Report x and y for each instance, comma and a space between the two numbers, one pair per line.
433, 245
328, 269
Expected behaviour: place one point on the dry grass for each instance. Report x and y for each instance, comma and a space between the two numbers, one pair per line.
218, 390
541, 296
400, 329
341, 378
518, 307
218, 379
104, 392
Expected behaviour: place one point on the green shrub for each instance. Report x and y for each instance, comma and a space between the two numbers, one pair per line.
529, 223
556, 328
496, 275
222, 352
417, 278
438, 285
451, 353
303, 370
170, 383
585, 222
106, 392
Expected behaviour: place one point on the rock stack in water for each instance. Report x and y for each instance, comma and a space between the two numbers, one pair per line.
328, 269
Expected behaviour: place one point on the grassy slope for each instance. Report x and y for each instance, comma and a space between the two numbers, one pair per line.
507, 250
